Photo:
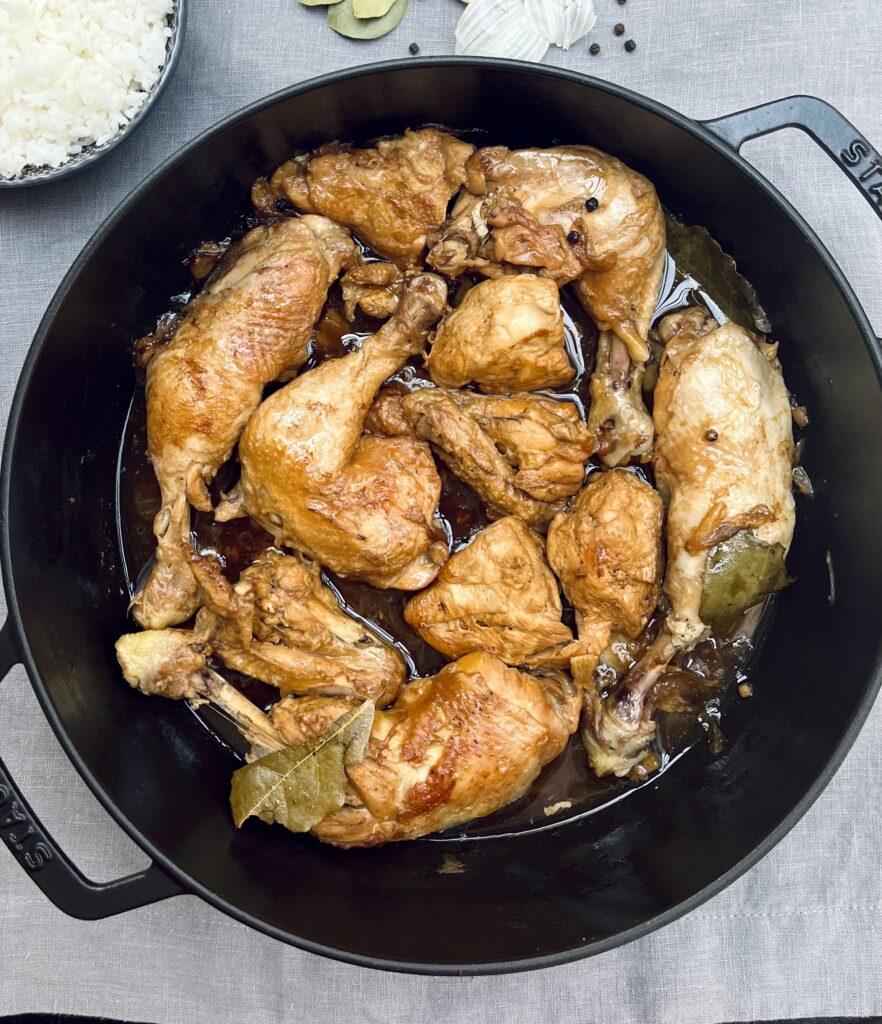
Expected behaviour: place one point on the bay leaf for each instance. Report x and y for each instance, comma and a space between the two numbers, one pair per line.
740, 572
699, 256
299, 786
371, 8
343, 20
319, 3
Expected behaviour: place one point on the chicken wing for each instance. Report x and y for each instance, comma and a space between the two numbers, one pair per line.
454, 747
617, 414
375, 288
249, 326
281, 624
723, 462
391, 196
506, 335
570, 213
496, 595
522, 455
362, 505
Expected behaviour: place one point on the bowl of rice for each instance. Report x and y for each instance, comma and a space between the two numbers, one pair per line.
76, 79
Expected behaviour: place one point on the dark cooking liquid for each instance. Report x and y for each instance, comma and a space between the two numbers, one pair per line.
567, 782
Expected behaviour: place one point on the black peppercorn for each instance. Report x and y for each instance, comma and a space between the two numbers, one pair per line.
619, 29
594, 49
282, 204
414, 49
711, 435
630, 46
621, 3
591, 204
573, 237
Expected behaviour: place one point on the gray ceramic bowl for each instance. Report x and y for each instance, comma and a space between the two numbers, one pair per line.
88, 156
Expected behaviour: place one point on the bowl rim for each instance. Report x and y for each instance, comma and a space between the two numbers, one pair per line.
190, 885
89, 156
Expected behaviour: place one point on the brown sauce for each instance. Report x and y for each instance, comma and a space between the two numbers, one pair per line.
707, 674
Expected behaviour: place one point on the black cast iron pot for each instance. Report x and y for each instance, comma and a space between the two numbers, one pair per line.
526, 900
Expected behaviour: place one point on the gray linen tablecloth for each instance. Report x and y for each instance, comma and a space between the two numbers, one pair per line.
800, 934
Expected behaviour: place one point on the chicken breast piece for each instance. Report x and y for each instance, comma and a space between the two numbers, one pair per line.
282, 625
506, 335
391, 195
363, 506
606, 549
724, 452
496, 595
250, 325
570, 213
454, 747
522, 455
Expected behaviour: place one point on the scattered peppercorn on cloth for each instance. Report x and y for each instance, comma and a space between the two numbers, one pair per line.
797, 936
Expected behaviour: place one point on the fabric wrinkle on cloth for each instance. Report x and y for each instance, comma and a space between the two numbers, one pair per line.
797, 936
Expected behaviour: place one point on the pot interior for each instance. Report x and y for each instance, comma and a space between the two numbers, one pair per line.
559, 892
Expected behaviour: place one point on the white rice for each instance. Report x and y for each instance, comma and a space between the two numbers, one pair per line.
72, 73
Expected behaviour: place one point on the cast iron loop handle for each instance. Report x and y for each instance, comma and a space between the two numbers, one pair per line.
37, 852
833, 133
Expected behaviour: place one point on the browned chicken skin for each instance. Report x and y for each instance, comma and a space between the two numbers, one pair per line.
250, 325
391, 195
496, 595
455, 746
522, 455
606, 548
375, 288
362, 505
506, 335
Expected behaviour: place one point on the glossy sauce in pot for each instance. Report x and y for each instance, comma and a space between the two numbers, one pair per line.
699, 683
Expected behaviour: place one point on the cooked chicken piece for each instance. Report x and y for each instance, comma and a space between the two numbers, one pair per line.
454, 747
391, 195
375, 288
723, 462
364, 506
723, 455
250, 325
172, 663
571, 213
606, 549
496, 595
617, 414
282, 625
386, 415
506, 335
522, 455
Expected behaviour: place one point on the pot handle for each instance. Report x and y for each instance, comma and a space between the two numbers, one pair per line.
833, 133
37, 852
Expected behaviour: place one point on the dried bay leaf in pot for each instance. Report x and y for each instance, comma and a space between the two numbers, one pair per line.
740, 572
698, 255
299, 786
344, 21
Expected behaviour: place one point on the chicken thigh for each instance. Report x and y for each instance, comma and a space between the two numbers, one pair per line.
364, 506
250, 325
455, 746
496, 595
506, 335
522, 455
723, 461
391, 196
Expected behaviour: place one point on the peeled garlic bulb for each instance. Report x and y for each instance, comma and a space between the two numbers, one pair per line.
562, 22
499, 28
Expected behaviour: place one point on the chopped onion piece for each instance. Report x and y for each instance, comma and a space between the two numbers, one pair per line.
499, 28
562, 22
